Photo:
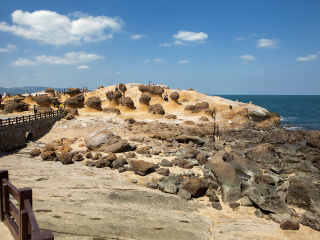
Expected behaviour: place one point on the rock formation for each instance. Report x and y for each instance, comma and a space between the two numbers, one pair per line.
93, 102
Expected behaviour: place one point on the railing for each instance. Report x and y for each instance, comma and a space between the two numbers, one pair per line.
20, 221
29, 118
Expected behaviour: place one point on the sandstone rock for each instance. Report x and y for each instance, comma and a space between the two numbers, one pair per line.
279, 217
15, 107
111, 157
90, 163
44, 109
246, 202
196, 186
165, 163
174, 96
143, 150
73, 91
189, 138
202, 158
89, 155
111, 110
43, 100
48, 156
76, 101
145, 99
226, 176
156, 109
155, 90
97, 156
94, 102
170, 188
290, 225
141, 167
35, 152
103, 163
128, 102
171, 116
118, 146
163, 171
264, 155
114, 96
266, 198
152, 184
130, 155
72, 111
216, 205
49, 90
234, 205
212, 195
77, 157
65, 158
97, 138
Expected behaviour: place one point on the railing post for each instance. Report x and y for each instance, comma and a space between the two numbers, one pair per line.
0, 122
17, 120
3, 175
24, 194
9, 121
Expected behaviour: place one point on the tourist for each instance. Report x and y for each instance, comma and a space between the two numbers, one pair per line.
4, 95
60, 107
166, 97
35, 109
0, 99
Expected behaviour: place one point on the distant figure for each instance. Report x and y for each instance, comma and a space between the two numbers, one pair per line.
150, 83
64, 91
54, 101
35, 109
166, 97
0, 99
4, 95
60, 107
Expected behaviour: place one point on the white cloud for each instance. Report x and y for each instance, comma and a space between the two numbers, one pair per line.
49, 27
247, 58
188, 36
178, 42
164, 45
81, 67
68, 58
156, 60
309, 57
8, 48
267, 43
185, 61
239, 38
137, 36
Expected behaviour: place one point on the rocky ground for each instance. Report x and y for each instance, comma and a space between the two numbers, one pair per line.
102, 177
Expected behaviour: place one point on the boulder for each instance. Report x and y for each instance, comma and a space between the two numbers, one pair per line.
114, 96
130, 155
198, 107
264, 155
48, 156
290, 225
119, 162
196, 186
143, 150
111, 110
69, 116
43, 100
122, 88
103, 163
311, 219
171, 116
155, 90
184, 194
97, 138
141, 167
174, 96
145, 99
76, 101
226, 176
73, 91
93, 102
15, 107
156, 109
165, 163
163, 171
127, 102
77, 157
65, 158
266, 198
120, 145
49, 90
303, 192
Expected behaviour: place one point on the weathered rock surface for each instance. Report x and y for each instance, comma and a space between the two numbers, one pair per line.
141, 167
94, 102
156, 109
76, 101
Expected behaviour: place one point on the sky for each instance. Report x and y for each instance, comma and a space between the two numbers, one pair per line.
216, 47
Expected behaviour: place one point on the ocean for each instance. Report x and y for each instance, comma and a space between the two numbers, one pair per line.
296, 111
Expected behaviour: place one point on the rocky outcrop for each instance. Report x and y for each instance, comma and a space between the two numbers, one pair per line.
76, 101
156, 109
94, 102
152, 89
114, 96
127, 102
43, 100
142, 168
111, 110
174, 96
145, 99
122, 88
49, 91
73, 91
198, 107
15, 107
196, 186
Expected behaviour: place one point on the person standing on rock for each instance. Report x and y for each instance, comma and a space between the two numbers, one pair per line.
166, 97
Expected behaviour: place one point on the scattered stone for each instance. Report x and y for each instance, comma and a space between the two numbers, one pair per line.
141, 167
216, 205
111, 157
102, 163
152, 184
165, 163
90, 163
145, 99
170, 188
119, 162
131, 155
234, 205
202, 158
196, 186
65, 158
143, 150
133, 180
290, 225
97, 156
69, 117
163, 171
121, 169
111, 110
35, 152
89, 155
311, 219
246, 202
171, 116
204, 119
77, 157
94, 102
188, 173
48, 156
156, 109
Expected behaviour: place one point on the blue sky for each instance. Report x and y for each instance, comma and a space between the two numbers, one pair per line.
217, 47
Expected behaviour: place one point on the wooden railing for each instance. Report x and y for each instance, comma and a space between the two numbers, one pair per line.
29, 118
20, 220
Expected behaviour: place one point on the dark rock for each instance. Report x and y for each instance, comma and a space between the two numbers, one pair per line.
311, 219
216, 205
69, 116
72, 111
75, 102
266, 198
94, 102
143, 150
212, 195
89, 155
15, 107
258, 213
152, 184
121, 169
131, 155
97, 156
65, 158
114, 96
165, 163
234, 205
119, 163
174, 96
103, 163
290, 225
202, 158
142, 168
119, 146
77, 157
35, 152
196, 186
171, 116
153, 89
163, 171
111, 157
264, 155
73, 91
184, 194
145, 99
111, 110
43, 100
127, 102
156, 109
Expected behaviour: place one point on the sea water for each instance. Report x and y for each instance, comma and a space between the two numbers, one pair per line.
296, 111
